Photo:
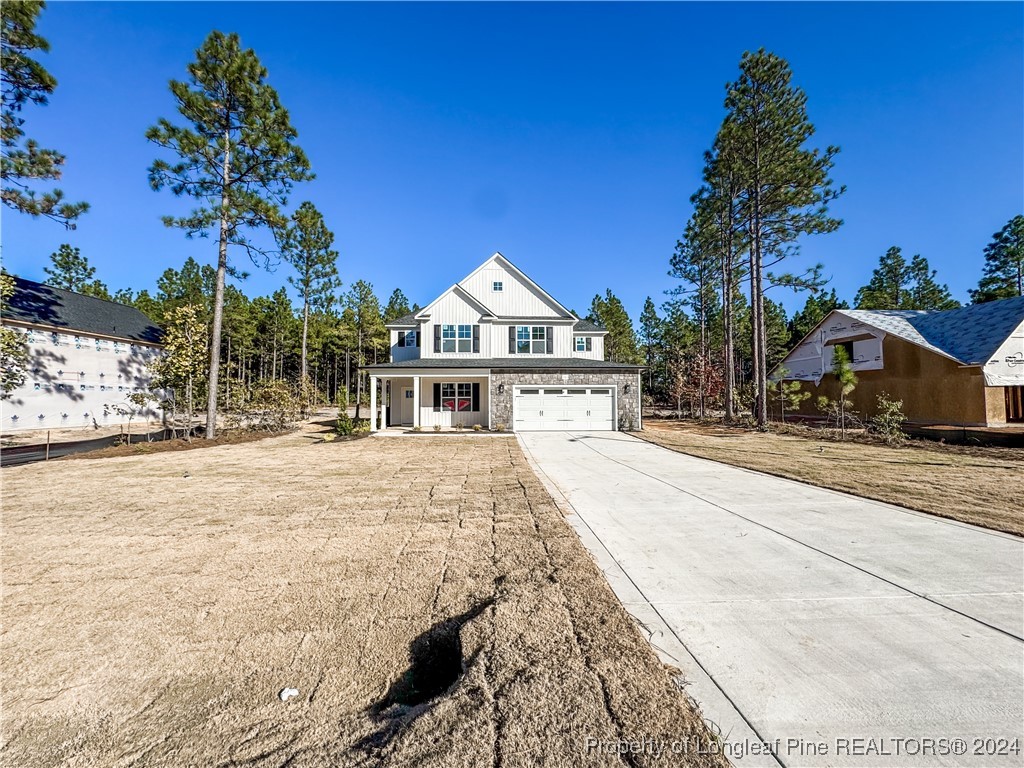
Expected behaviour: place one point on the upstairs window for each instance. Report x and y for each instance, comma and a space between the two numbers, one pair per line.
530, 339
497, 286
407, 339
584, 344
456, 338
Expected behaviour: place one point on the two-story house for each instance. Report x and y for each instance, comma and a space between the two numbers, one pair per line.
495, 349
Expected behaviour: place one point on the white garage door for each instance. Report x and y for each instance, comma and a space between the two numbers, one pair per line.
564, 408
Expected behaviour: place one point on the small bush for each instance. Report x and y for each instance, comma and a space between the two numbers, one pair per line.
499, 427
272, 407
887, 422
329, 437
458, 426
477, 427
417, 428
344, 425
437, 427
360, 426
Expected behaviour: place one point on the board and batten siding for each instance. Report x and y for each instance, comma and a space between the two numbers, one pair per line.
516, 299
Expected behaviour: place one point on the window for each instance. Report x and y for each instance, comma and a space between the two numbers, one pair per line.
523, 340
456, 397
539, 340
407, 339
456, 338
497, 286
584, 344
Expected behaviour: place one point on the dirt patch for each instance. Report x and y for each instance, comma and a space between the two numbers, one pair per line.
425, 597
976, 485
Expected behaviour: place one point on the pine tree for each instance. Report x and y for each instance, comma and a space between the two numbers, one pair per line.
70, 270
398, 306
307, 247
1003, 274
651, 328
364, 311
783, 188
237, 155
620, 343
25, 81
895, 284
842, 369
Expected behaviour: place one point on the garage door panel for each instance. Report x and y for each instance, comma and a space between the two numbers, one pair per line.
566, 408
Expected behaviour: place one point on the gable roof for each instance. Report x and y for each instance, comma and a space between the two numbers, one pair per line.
498, 257
970, 335
405, 321
460, 291
38, 304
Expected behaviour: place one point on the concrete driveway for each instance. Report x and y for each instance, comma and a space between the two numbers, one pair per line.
834, 630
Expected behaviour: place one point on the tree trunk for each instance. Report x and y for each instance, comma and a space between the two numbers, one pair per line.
218, 295
305, 332
359, 373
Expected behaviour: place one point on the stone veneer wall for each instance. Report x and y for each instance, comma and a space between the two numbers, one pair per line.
627, 403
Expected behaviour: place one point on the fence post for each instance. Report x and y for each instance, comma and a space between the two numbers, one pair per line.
47, 445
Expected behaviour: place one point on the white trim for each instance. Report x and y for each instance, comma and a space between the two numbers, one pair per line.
463, 294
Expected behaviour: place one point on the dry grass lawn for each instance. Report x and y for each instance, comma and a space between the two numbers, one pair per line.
973, 485
151, 618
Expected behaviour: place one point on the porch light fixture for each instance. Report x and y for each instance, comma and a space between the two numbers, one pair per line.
626, 389
501, 389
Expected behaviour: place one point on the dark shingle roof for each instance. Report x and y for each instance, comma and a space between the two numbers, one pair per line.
40, 304
409, 319
505, 364
587, 325
969, 334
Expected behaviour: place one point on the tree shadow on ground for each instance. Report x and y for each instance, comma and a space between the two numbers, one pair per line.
435, 665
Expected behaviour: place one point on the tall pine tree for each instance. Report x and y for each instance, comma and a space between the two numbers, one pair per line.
307, 246
26, 81
70, 270
236, 155
620, 343
784, 188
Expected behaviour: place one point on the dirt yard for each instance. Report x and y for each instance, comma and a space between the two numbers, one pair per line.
983, 486
155, 606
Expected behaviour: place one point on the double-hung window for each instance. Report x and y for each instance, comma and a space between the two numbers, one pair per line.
584, 344
407, 338
530, 339
456, 397
456, 338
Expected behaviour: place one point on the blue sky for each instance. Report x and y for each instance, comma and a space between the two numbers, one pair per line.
567, 136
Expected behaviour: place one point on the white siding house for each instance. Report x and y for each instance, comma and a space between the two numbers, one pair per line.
496, 350
86, 356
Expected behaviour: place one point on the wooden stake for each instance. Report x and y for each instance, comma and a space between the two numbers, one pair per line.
47, 445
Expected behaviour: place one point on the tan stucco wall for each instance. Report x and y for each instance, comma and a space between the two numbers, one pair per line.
933, 388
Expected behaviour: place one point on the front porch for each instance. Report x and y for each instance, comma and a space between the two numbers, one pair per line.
445, 400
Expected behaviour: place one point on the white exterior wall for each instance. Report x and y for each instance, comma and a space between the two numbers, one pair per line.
452, 309
1006, 367
75, 379
516, 299
429, 417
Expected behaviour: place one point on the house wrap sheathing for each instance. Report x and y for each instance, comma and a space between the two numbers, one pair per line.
963, 366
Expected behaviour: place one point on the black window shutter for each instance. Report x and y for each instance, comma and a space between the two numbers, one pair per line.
437, 396
437, 339
401, 338
476, 340
418, 339
511, 339
550, 334
590, 348
476, 396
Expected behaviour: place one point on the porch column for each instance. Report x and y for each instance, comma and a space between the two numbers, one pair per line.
415, 401
373, 403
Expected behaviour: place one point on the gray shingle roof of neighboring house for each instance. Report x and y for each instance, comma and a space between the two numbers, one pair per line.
409, 319
505, 363
970, 334
38, 304
587, 325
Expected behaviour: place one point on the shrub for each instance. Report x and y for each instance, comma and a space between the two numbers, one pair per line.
499, 427
458, 426
887, 422
344, 425
477, 427
272, 407
360, 426
417, 428
437, 427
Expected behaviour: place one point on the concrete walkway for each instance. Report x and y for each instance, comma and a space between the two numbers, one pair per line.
838, 630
